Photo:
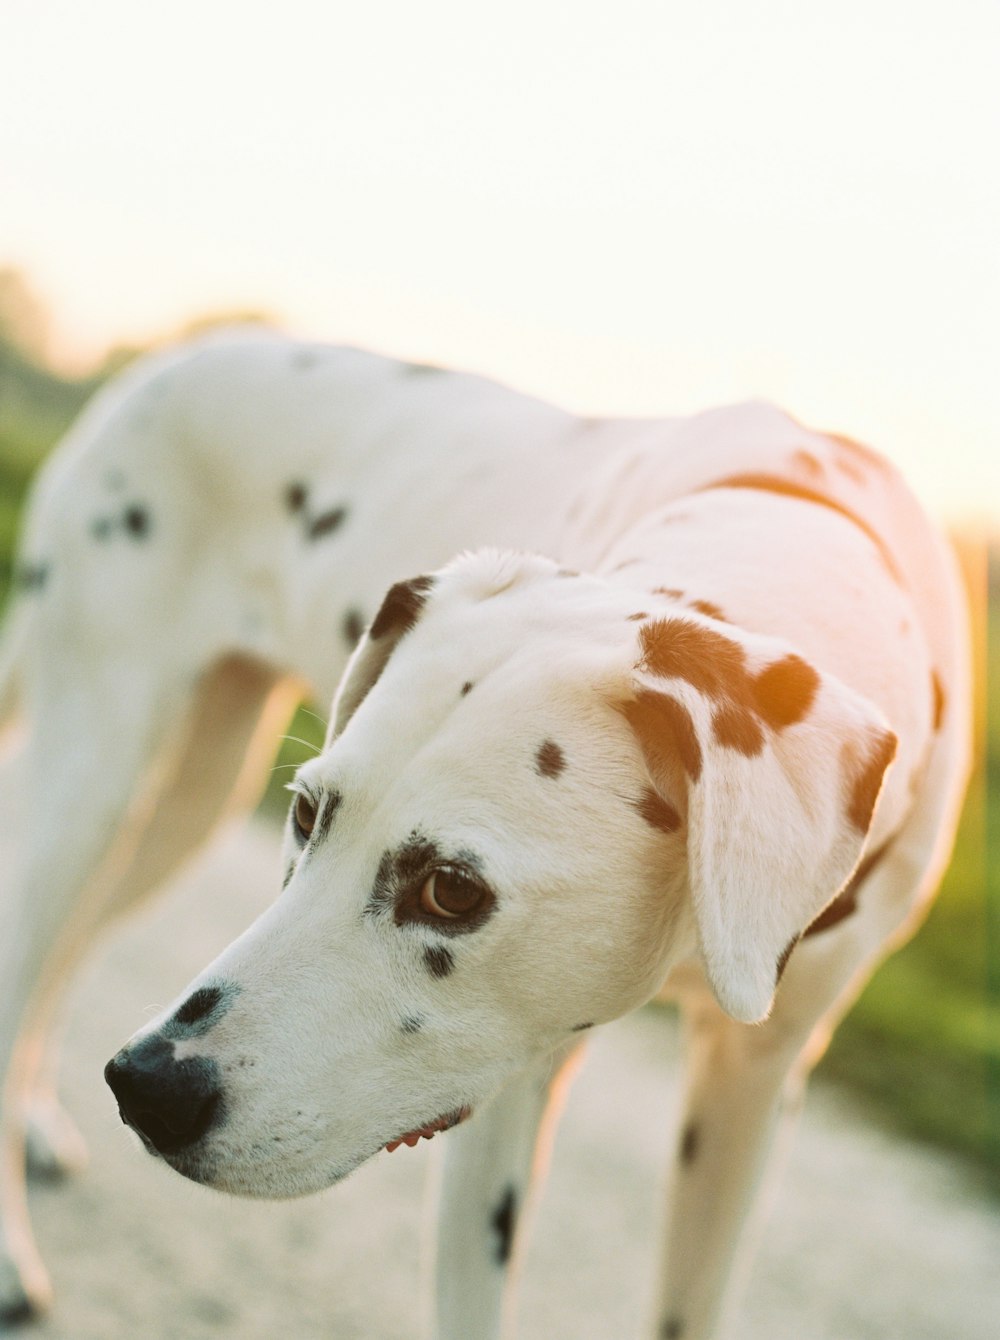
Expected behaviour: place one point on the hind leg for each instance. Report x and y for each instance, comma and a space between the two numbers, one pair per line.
124, 831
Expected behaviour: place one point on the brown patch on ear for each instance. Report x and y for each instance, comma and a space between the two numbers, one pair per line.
784, 691
401, 607
679, 649
867, 782
664, 729
937, 691
657, 812
846, 901
738, 729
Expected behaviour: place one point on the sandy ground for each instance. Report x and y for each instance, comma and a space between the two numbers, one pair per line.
868, 1238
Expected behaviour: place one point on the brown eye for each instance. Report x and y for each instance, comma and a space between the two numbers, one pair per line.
449, 894
304, 815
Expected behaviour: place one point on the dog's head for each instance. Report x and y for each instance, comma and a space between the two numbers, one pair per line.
535, 798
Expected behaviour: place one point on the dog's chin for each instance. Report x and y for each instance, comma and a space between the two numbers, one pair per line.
257, 1179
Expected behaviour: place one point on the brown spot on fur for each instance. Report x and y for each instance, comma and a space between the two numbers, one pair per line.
666, 732
859, 451
867, 782
846, 901
784, 691
638, 616
736, 728
550, 759
806, 461
937, 690
680, 649
657, 812
671, 592
709, 608
786, 488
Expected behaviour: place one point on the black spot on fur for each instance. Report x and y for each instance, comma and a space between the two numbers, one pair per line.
201, 1011
687, 1150
709, 608
438, 960
296, 496
466, 688
867, 783
665, 730
413, 1023
136, 521
550, 760
288, 876
786, 954
937, 691
326, 523
658, 812
503, 1222
352, 627
580, 1028
736, 728
401, 607
421, 369
783, 692
31, 577
787, 489
672, 1329
198, 1004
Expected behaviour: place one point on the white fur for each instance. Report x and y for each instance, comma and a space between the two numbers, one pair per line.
170, 645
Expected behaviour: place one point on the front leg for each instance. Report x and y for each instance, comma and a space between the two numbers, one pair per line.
743, 1086
489, 1165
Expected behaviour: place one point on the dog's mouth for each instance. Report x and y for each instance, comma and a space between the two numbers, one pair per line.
429, 1131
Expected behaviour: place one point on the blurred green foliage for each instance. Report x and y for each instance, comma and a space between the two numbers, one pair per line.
921, 1046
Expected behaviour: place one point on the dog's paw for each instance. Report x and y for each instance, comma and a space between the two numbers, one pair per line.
25, 1291
53, 1146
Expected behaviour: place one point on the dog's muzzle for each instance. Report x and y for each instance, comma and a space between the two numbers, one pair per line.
170, 1104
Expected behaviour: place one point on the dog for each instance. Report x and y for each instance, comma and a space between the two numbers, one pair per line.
717, 738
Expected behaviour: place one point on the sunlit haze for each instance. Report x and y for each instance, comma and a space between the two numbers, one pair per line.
640, 207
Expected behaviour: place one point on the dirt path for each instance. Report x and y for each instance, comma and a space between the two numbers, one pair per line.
869, 1239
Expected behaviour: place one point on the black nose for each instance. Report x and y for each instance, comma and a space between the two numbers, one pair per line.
171, 1104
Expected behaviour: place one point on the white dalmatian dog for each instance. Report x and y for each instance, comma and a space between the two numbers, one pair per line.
712, 743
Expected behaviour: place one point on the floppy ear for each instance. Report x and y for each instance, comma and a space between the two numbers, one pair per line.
397, 614
779, 769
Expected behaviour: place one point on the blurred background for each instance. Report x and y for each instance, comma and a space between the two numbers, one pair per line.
646, 207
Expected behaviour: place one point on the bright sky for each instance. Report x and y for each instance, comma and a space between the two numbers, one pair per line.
643, 206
